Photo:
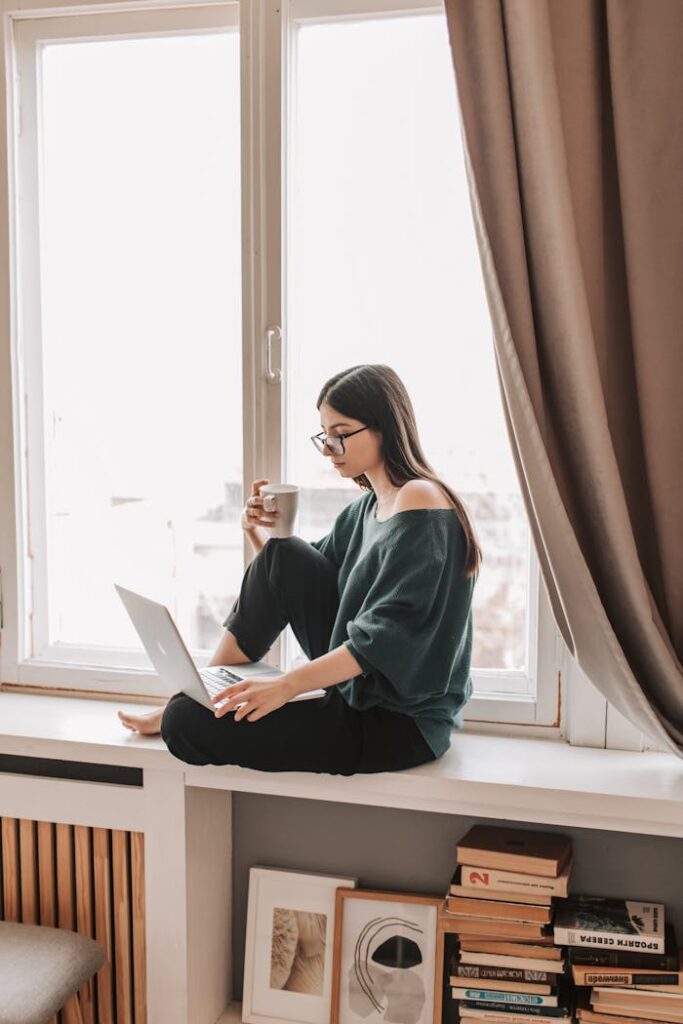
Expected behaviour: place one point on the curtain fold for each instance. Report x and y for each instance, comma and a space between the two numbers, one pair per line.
572, 120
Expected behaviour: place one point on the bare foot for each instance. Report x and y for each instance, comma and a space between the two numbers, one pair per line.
146, 725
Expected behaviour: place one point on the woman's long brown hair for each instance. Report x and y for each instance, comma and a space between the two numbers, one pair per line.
375, 395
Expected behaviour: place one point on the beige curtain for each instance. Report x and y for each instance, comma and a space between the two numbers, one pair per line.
572, 116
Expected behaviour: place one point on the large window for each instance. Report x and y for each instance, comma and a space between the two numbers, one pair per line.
130, 302
176, 205
383, 267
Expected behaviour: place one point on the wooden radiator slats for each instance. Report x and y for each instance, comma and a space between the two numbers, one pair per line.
84, 911
11, 893
27, 872
122, 927
46, 881
102, 879
137, 884
64, 841
90, 880
66, 913
47, 887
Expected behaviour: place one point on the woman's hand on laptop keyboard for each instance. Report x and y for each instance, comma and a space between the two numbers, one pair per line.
257, 697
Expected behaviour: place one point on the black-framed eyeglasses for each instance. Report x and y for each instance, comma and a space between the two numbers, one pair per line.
335, 442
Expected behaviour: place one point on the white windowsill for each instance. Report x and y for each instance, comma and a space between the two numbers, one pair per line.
517, 779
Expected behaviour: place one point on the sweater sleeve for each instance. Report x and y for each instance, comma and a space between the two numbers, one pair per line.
416, 617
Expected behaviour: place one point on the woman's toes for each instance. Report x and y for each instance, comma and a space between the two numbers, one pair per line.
133, 722
146, 725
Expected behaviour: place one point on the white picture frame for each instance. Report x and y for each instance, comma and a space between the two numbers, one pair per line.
289, 946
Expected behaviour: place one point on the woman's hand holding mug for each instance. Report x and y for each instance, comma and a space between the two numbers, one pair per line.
253, 513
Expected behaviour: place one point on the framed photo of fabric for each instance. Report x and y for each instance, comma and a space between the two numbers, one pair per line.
384, 966
289, 943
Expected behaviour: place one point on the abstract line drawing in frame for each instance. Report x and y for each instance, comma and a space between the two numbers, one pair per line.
289, 944
384, 966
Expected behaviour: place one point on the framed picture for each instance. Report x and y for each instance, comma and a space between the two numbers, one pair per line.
289, 942
384, 958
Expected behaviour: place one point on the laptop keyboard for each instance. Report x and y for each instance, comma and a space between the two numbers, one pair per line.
216, 679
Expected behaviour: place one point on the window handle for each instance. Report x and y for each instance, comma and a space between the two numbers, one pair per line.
274, 376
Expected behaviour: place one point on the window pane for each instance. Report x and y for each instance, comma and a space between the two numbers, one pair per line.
141, 331
383, 267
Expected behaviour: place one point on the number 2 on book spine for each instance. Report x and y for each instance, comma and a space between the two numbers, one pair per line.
478, 876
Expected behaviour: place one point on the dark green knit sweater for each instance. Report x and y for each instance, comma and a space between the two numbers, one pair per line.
405, 613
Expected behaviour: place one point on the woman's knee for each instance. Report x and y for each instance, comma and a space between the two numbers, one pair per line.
287, 556
181, 729
286, 550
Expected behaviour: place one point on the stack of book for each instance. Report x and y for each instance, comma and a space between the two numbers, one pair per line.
624, 960
499, 946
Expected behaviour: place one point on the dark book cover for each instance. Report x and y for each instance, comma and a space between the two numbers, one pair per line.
603, 922
597, 957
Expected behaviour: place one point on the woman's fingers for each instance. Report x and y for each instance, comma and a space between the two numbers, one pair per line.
256, 515
255, 486
246, 708
255, 512
258, 713
232, 696
224, 709
230, 691
252, 699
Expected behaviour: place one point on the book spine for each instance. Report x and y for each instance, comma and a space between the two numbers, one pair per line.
608, 940
495, 931
497, 1016
511, 881
582, 977
519, 1011
584, 957
509, 974
514, 913
530, 899
518, 998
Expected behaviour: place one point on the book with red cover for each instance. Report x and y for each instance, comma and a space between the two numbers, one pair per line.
482, 889
495, 883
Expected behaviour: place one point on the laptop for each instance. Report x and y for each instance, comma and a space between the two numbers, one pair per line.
173, 662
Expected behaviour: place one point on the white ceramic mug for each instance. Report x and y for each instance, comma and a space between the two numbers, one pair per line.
283, 498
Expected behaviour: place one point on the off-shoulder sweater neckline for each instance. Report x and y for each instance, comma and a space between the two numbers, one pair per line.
372, 508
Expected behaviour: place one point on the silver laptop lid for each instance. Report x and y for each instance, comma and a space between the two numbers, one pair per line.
171, 658
162, 641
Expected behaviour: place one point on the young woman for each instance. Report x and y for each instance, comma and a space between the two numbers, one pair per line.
382, 607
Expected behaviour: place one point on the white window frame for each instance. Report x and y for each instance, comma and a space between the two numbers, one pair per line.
266, 28
537, 701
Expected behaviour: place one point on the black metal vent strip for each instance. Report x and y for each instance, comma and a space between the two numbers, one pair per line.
49, 767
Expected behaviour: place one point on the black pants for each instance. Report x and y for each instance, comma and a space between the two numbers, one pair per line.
290, 582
